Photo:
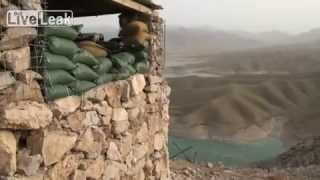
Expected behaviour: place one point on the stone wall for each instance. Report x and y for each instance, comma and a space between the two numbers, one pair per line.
117, 131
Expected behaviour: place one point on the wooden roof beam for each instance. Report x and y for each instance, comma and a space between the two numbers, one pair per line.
134, 6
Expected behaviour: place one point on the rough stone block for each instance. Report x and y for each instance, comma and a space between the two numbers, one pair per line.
8, 148
154, 79
29, 76
26, 115
17, 37
113, 152
137, 84
6, 80
120, 127
133, 114
64, 169
159, 141
96, 168
55, 145
120, 114
67, 105
17, 60
28, 164
89, 145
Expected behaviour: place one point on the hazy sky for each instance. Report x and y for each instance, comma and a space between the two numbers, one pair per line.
249, 15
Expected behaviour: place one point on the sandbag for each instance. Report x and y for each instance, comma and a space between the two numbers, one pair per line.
58, 77
123, 74
142, 67
95, 49
62, 46
52, 62
105, 78
130, 69
104, 66
85, 73
58, 91
66, 32
122, 59
141, 56
86, 58
79, 87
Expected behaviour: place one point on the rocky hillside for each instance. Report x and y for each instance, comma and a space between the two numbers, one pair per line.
245, 108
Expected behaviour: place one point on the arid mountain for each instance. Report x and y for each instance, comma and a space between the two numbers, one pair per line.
206, 40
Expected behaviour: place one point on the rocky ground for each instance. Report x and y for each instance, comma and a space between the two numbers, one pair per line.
182, 170
301, 162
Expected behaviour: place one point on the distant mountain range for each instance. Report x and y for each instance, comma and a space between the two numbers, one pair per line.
209, 40
206, 40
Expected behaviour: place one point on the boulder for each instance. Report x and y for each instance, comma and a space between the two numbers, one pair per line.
17, 37
6, 80
26, 115
16, 60
137, 84
28, 164
8, 148
55, 145
67, 105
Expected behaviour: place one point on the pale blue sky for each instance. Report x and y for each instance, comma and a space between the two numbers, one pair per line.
247, 15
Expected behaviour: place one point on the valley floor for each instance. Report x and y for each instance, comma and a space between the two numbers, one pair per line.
182, 170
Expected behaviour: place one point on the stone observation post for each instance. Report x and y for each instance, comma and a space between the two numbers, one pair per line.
115, 131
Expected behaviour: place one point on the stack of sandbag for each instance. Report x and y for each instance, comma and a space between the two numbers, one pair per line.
68, 68
74, 67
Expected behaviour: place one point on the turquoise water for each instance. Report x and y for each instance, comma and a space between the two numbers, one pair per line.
230, 154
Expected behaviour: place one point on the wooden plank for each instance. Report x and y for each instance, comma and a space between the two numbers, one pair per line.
134, 5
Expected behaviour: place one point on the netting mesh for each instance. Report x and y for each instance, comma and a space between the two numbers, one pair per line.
36, 46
